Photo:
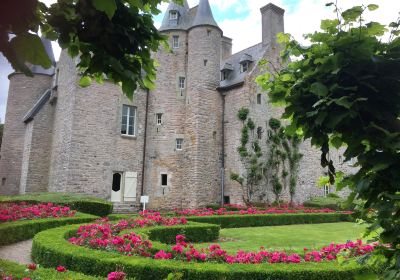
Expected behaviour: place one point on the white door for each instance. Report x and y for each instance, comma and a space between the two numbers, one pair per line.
130, 185
116, 189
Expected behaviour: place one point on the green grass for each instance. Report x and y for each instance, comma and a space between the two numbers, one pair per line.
292, 237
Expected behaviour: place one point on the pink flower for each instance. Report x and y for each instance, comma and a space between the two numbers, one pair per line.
178, 248
163, 255
116, 275
60, 268
32, 266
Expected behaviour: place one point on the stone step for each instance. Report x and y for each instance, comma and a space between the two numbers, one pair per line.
126, 208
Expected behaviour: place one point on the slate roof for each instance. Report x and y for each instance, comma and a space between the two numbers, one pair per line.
37, 106
254, 53
204, 15
36, 69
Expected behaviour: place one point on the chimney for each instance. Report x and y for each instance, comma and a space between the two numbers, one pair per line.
272, 23
226, 47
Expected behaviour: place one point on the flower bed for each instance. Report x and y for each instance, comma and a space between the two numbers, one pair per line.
50, 248
24, 211
254, 211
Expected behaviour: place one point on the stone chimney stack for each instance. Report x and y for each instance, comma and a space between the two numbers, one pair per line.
226, 47
272, 23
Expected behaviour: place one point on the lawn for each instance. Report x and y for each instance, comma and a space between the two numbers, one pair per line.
292, 238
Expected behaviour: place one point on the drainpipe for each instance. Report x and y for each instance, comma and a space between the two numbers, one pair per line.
223, 151
145, 140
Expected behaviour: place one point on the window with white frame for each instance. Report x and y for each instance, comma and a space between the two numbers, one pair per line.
159, 119
327, 189
179, 144
182, 81
128, 124
175, 42
244, 66
173, 15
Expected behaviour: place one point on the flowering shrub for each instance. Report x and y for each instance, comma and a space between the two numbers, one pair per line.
183, 251
253, 211
116, 275
105, 236
23, 211
61, 268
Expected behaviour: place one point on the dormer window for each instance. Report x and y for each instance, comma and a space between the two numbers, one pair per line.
224, 75
244, 66
173, 15
225, 71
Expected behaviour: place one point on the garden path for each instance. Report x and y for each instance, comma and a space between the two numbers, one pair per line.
18, 252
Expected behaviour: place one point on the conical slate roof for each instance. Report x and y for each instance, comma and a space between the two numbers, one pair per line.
181, 22
36, 69
204, 15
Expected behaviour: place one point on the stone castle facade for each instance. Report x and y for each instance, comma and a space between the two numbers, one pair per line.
176, 143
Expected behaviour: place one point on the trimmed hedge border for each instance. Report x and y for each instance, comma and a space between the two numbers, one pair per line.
50, 248
11, 232
17, 270
238, 221
81, 203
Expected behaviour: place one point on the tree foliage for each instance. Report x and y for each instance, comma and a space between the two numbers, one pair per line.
112, 38
344, 90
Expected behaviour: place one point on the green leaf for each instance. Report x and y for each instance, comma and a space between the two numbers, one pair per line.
344, 102
29, 48
372, 7
352, 14
328, 24
376, 29
286, 77
336, 142
319, 89
85, 81
107, 6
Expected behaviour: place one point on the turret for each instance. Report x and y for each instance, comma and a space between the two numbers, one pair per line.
203, 110
26, 98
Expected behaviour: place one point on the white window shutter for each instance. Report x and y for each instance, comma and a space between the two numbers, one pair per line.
130, 186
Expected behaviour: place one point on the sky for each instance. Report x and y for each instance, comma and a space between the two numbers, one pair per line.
241, 21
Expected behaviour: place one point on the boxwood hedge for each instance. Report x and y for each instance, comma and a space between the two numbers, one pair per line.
50, 248
79, 202
11, 232
18, 271
237, 221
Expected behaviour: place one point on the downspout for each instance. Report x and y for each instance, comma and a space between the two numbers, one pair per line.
223, 151
145, 140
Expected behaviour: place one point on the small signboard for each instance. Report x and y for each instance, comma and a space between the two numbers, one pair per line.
144, 199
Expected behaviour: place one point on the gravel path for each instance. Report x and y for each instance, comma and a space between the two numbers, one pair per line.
18, 252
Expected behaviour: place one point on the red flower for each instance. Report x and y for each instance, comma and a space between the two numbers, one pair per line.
32, 266
60, 268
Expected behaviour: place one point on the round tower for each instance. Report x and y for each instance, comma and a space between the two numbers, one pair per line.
23, 95
203, 127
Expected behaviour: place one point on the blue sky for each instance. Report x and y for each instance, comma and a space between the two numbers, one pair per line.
241, 20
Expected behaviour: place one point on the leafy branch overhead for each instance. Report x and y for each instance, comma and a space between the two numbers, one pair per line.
112, 39
343, 90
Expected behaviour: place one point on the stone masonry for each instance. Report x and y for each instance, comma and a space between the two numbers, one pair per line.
182, 148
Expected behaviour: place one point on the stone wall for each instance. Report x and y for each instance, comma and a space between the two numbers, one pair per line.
23, 93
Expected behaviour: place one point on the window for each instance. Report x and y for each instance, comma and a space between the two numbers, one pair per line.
205, 62
259, 98
179, 144
327, 189
173, 15
128, 120
3, 181
116, 183
227, 199
164, 180
182, 82
159, 119
208, 33
175, 42
224, 75
244, 66
259, 132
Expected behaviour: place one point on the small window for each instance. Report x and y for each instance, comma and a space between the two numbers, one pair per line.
179, 144
128, 120
259, 98
224, 75
164, 180
259, 132
327, 189
208, 33
3, 181
159, 119
227, 199
244, 67
182, 82
175, 42
173, 15
205, 62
